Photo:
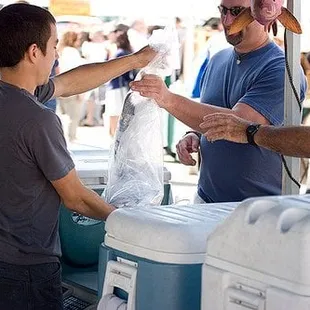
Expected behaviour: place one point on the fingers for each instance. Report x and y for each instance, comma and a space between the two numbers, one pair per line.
215, 134
224, 126
151, 86
215, 119
184, 149
148, 83
213, 126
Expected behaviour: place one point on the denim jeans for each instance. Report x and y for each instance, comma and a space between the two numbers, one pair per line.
32, 287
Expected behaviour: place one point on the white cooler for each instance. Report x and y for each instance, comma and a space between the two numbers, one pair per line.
154, 255
259, 258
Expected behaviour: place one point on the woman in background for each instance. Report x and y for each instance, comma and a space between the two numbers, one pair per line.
119, 86
69, 58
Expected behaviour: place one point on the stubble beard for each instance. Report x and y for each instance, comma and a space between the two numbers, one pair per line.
234, 39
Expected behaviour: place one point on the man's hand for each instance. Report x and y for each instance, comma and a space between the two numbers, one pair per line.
187, 145
220, 126
152, 86
144, 56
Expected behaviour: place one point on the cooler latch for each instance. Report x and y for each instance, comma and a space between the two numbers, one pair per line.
241, 298
124, 277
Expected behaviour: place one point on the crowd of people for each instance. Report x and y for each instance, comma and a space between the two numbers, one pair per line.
107, 42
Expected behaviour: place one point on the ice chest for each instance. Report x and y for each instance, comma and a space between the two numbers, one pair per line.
259, 258
155, 254
81, 236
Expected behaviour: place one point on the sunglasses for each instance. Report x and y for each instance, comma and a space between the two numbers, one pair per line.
234, 11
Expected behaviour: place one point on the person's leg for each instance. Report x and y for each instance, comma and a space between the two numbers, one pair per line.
113, 125
45, 287
74, 112
90, 110
13, 287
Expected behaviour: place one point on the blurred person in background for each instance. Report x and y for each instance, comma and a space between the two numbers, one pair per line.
138, 34
216, 42
181, 30
69, 58
112, 33
94, 50
119, 86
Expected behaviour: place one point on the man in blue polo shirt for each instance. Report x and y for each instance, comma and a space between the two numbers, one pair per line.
246, 80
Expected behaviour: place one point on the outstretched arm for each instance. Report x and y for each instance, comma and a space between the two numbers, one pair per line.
87, 77
186, 110
290, 140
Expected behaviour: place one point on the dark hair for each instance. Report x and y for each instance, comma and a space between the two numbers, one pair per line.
22, 25
122, 42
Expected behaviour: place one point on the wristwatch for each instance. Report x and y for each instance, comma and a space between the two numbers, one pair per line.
198, 134
250, 132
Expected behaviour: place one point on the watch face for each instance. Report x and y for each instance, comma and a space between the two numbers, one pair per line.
250, 132
252, 129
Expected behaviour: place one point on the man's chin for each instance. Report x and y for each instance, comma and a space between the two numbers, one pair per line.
234, 39
43, 82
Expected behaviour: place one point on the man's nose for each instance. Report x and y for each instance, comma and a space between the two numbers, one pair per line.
228, 19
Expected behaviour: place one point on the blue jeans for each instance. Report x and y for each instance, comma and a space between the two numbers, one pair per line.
32, 287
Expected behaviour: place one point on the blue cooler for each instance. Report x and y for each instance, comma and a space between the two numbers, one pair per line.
152, 257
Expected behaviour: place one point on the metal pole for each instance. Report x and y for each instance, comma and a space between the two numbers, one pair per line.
292, 115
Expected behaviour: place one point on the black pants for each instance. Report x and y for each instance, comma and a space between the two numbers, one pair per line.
32, 287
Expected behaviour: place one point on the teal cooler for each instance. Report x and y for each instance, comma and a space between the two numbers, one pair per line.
81, 236
153, 257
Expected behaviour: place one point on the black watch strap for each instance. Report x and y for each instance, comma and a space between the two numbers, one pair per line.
250, 133
198, 134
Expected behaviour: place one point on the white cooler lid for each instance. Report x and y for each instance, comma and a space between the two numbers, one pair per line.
266, 239
171, 234
93, 169
80, 149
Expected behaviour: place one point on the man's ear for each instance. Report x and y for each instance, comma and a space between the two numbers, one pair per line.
33, 53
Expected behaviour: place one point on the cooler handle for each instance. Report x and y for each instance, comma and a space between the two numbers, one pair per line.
124, 277
237, 299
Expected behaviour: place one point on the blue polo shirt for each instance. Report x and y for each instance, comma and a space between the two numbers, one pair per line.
232, 171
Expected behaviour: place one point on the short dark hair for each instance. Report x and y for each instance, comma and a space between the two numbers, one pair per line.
22, 25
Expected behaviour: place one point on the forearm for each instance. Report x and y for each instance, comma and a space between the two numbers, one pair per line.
89, 76
91, 204
289, 141
191, 112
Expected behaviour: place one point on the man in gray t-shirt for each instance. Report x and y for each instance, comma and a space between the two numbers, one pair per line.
36, 170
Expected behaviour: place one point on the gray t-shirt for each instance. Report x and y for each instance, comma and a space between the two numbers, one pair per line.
33, 152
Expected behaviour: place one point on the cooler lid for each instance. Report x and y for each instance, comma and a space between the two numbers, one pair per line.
92, 169
87, 150
96, 167
172, 234
268, 237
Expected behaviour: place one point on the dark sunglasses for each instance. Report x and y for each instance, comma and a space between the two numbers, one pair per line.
234, 11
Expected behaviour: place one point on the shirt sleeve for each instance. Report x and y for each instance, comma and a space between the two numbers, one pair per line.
48, 147
45, 92
265, 94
